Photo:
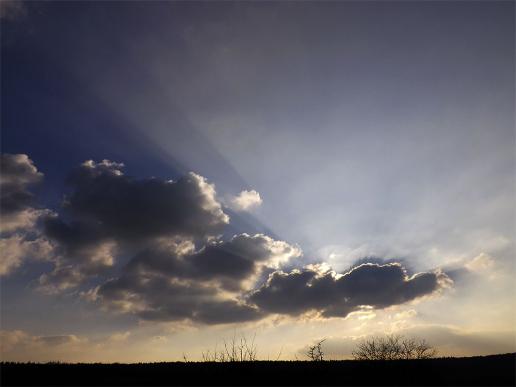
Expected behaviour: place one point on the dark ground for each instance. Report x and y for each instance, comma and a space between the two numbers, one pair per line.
496, 370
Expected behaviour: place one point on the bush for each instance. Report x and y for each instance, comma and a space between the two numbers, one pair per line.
393, 347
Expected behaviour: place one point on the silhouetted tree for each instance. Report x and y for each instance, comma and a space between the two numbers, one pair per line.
315, 352
393, 347
232, 351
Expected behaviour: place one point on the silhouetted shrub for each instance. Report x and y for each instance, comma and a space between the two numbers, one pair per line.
393, 347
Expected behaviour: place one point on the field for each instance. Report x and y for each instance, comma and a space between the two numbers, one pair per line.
495, 370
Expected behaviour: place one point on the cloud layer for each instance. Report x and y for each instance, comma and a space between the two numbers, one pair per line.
153, 248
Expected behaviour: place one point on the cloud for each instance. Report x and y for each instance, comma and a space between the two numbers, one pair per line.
467, 269
481, 263
162, 220
128, 208
335, 295
119, 336
21, 220
11, 339
406, 314
17, 174
229, 262
245, 201
18, 345
18, 339
12, 9
168, 285
173, 281
77, 241
159, 241
16, 248
108, 210
20, 238
57, 340
153, 296
61, 278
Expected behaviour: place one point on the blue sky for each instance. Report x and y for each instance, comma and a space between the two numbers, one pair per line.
368, 129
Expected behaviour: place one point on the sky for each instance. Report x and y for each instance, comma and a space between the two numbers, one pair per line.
177, 174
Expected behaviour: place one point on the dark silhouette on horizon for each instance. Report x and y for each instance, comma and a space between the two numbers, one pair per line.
494, 370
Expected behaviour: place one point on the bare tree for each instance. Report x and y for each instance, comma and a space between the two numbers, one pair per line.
315, 352
393, 347
417, 349
232, 351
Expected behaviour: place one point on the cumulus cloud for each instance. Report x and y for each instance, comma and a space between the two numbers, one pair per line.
229, 262
245, 201
19, 236
17, 174
131, 208
157, 297
159, 288
176, 266
108, 210
334, 294
173, 281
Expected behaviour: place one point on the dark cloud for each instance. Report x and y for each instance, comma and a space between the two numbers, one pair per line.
161, 298
81, 250
229, 262
334, 295
75, 238
179, 269
157, 291
128, 208
108, 211
228, 311
173, 281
